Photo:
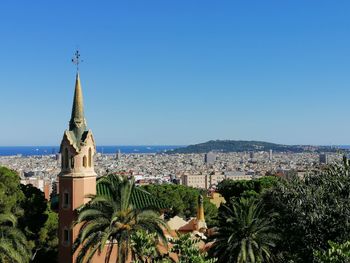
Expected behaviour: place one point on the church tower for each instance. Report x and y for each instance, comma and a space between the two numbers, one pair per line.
77, 178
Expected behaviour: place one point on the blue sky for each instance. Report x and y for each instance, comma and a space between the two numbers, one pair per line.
177, 72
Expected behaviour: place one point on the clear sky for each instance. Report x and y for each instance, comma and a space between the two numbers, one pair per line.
177, 72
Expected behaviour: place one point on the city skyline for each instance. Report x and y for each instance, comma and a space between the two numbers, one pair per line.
177, 74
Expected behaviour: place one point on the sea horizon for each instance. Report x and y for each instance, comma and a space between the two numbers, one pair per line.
104, 149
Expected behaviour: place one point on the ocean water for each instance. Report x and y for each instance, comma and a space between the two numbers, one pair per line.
345, 146
46, 150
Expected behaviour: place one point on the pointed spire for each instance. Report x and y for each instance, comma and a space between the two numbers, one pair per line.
77, 123
200, 209
201, 224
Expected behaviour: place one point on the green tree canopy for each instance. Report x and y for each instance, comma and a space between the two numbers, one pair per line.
337, 253
245, 188
144, 246
186, 247
37, 223
10, 191
311, 211
34, 206
47, 243
34, 217
183, 201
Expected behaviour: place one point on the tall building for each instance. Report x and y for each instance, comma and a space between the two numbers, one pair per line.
270, 155
77, 178
58, 158
323, 158
252, 158
118, 155
209, 158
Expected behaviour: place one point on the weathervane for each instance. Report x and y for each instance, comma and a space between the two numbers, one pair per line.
76, 59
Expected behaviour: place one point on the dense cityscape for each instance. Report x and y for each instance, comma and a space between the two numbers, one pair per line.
203, 171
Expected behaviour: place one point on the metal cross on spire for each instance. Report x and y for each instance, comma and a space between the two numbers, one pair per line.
76, 59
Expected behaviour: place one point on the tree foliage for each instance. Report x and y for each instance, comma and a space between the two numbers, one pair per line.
245, 234
10, 191
13, 243
186, 247
47, 248
245, 188
312, 211
39, 224
183, 201
144, 246
34, 206
337, 253
34, 217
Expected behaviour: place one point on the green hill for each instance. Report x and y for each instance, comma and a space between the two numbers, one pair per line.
244, 146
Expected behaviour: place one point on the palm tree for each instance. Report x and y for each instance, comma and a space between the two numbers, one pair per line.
112, 218
13, 243
244, 235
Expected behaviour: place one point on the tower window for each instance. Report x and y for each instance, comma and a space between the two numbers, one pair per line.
90, 157
65, 200
72, 162
62, 162
84, 161
66, 158
65, 235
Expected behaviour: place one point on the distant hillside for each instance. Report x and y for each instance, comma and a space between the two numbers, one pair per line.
245, 146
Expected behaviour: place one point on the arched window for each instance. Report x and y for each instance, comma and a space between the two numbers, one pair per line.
85, 161
65, 200
65, 236
72, 162
90, 157
66, 160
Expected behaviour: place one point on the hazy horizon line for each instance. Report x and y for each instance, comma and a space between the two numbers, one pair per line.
178, 145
